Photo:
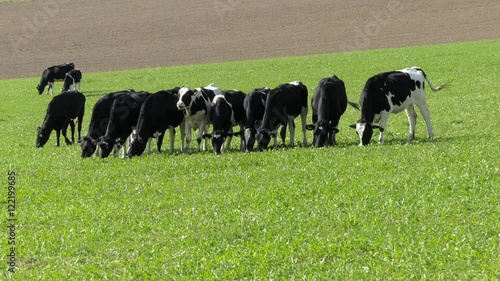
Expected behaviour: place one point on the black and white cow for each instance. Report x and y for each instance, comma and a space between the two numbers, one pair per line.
99, 123
393, 92
51, 74
227, 111
283, 105
72, 80
123, 120
196, 105
62, 110
254, 105
329, 102
158, 112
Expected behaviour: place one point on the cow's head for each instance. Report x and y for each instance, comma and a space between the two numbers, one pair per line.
249, 137
40, 89
106, 145
88, 146
218, 138
185, 98
137, 147
263, 138
42, 136
323, 133
365, 131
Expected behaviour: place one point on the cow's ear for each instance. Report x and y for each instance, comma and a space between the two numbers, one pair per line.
207, 136
335, 130
353, 126
236, 134
375, 126
310, 127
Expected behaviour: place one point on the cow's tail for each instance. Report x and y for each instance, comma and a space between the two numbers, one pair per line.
353, 104
434, 89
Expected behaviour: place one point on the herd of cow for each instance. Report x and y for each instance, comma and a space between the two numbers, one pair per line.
140, 116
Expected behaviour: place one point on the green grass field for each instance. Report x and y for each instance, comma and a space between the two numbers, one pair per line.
428, 210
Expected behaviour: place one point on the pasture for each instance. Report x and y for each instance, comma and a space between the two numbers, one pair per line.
397, 211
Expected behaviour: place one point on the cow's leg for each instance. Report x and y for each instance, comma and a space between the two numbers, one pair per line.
72, 127
149, 145
242, 138
412, 119
58, 135
182, 127
171, 130
384, 117
64, 129
202, 130
117, 148
426, 114
79, 120
49, 90
229, 138
188, 137
275, 132
160, 141
303, 116
291, 128
125, 148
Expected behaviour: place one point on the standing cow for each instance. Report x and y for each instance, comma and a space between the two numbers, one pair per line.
158, 112
328, 104
196, 104
51, 74
62, 110
72, 80
99, 122
227, 111
393, 92
123, 120
255, 106
283, 105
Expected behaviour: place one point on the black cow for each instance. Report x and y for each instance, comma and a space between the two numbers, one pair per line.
50, 74
254, 105
72, 80
99, 122
393, 92
158, 112
123, 120
196, 106
227, 111
283, 105
62, 110
328, 104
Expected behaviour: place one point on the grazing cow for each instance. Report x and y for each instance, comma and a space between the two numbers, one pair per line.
123, 120
99, 122
196, 106
283, 105
227, 111
393, 92
50, 74
62, 110
254, 105
328, 104
72, 80
158, 112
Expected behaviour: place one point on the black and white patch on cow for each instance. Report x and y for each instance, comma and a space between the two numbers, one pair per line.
196, 104
72, 80
159, 112
393, 92
61, 111
283, 105
254, 106
51, 74
227, 111
329, 102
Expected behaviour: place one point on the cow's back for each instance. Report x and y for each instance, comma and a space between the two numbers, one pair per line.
236, 99
67, 104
